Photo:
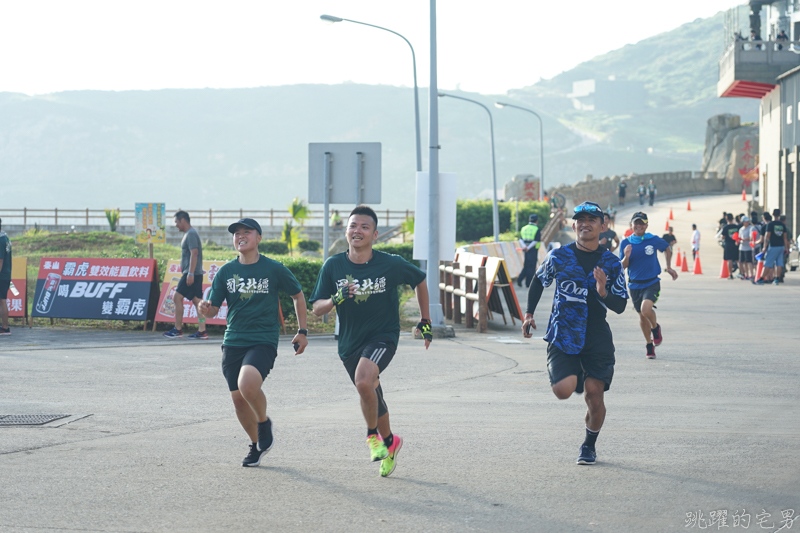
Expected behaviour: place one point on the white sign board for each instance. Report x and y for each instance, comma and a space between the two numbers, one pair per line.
355, 173
447, 216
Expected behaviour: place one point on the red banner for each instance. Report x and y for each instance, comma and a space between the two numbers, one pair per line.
166, 306
95, 287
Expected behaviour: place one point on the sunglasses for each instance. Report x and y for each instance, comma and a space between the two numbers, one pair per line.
588, 208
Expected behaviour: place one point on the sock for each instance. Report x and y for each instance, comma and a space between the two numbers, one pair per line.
388, 440
372, 432
591, 437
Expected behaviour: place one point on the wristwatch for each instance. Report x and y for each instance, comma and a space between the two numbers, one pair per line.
302, 332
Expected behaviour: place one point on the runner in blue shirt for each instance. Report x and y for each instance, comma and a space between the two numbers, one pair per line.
639, 254
588, 281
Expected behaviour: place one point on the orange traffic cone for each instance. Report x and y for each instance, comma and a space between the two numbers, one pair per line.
697, 268
678, 258
685, 264
670, 214
744, 195
666, 226
689, 205
759, 270
723, 273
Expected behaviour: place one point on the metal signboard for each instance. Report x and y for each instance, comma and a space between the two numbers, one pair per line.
354, 173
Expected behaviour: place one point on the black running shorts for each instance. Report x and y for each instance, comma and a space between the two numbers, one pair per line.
261, 356
586, 364
380, 351
745, 256
190, 292
4, 286
650, 292
731, 253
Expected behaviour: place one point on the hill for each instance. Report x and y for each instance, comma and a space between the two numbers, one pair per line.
232, 148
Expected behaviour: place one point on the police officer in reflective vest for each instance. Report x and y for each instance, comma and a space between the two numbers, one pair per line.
529, 242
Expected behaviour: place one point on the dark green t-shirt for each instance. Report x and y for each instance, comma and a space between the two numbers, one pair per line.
252, 295
375, 310
5, 255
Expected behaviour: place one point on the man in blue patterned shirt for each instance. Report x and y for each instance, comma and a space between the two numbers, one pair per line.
589, 280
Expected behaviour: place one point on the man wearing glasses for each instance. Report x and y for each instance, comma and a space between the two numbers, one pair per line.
589, 280
639, 254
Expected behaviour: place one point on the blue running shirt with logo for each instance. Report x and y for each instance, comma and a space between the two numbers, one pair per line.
643, 265
375, 310
252, 295
575, 292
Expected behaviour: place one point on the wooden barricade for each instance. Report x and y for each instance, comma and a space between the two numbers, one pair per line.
453, 295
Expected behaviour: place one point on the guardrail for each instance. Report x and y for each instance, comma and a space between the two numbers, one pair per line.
200, 217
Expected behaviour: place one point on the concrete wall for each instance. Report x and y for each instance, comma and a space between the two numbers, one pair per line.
669, 184
769, 149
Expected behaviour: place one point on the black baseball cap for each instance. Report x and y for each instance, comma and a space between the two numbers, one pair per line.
247, 222
640, 216
589, 208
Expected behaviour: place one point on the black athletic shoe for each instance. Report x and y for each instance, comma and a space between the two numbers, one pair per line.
588, 456
657, 338
651, 351
254, 456
265, 440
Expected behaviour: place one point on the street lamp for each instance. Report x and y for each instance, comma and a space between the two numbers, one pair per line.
495, 215
331, 18
541, 143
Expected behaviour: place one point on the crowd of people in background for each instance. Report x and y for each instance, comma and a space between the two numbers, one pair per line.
748, 240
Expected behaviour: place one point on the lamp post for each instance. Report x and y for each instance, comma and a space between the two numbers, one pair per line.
331, 18
495, 214
541, 142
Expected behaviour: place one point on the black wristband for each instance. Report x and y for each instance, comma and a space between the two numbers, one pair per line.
302, 331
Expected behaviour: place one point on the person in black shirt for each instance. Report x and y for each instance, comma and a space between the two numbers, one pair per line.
731, 253
608, 238
670, 238
622, 188
775, 242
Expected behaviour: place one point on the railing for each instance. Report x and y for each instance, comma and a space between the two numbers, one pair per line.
450, 294
199, 217
759, 52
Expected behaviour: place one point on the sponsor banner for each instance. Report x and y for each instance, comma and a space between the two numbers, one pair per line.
151, 223
95, 287
17, 297
166, 306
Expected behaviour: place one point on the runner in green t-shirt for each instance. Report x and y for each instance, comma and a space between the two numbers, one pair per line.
362, 284
250, 284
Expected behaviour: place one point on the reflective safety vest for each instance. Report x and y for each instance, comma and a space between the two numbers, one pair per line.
529, 234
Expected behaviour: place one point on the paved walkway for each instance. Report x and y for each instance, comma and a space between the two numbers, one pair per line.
153, 444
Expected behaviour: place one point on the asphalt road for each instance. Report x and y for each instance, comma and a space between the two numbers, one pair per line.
152, 443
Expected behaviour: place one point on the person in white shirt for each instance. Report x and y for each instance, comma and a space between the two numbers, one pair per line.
695, 241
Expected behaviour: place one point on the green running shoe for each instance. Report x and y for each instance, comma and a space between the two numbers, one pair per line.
388, 465
377, 448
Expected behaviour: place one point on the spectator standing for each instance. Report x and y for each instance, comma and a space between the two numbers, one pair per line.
622, 189
191, 284
789, 238
669, 237
652, 191
747, 235
336, 220
695, 241
775, 242
781, 37
5, 278
641, 191
731, 248
529, 241
612, 215
754, 221
609, 239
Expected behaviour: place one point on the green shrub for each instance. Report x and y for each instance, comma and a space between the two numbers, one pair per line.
404, 250
507, 236
474, 217
273, 247
309, 246
526, 209
306, 270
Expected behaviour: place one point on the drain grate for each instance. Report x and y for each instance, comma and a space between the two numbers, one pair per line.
28, 420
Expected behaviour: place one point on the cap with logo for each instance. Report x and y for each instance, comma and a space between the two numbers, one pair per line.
589, 208
247, 222
533, 219
639, 216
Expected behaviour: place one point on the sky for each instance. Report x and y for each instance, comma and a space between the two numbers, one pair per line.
486, 47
